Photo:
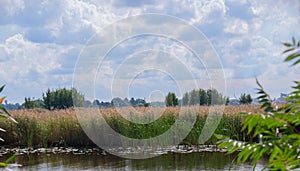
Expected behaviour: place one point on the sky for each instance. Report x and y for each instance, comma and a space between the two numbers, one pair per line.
56, 43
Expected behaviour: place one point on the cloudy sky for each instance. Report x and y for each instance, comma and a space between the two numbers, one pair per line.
41, 43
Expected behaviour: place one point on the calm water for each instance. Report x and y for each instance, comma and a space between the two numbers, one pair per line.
97, 160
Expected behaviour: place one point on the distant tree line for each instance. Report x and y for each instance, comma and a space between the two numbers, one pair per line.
204, 97
97, 103
118, 102
66, 98
11, 106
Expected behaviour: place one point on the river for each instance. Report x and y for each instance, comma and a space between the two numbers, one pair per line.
94, 159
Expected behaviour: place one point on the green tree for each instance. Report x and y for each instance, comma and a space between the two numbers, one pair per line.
185, 99
203, 97
277, 128
171, 99
30, 104
194, 97
245, 99
62, 99
118, 102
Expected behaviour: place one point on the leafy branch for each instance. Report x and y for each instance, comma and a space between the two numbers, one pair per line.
5, 114
277, 129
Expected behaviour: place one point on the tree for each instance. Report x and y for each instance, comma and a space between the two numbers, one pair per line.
277, 128
96, 102
171, 99
88, 103
132, 102
30, 104
118, 102
63, 98
194, 97
185, 99
245, 99
204, 97
126, 101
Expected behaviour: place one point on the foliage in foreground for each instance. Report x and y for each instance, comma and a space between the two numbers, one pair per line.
277, 128
5, 114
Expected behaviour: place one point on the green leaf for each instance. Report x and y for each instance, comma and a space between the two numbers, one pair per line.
294, 41
288, 50
244, 155
4, 110
258, 83
291, 57
10, 159
2, 116
287, 44
1, 88
295, 63
219, 137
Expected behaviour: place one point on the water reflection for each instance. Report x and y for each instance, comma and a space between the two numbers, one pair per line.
96, 160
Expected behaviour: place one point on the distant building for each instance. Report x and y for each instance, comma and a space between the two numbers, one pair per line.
282, 98
233, 101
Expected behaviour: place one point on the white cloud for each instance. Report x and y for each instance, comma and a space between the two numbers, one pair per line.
29, 65
206, 11
236, 26
10, 8
31, 55
238, 1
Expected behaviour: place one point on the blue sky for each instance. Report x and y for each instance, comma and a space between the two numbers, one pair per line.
41, 41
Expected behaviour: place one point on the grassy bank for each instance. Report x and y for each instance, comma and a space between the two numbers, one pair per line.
43, 128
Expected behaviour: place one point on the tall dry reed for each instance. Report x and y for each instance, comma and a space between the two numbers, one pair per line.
44, 128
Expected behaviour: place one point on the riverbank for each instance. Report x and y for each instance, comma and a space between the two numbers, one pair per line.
60, 128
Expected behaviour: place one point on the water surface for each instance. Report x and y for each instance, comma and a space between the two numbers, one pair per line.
75, 159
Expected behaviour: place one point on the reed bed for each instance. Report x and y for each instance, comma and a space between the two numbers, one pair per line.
44, 128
